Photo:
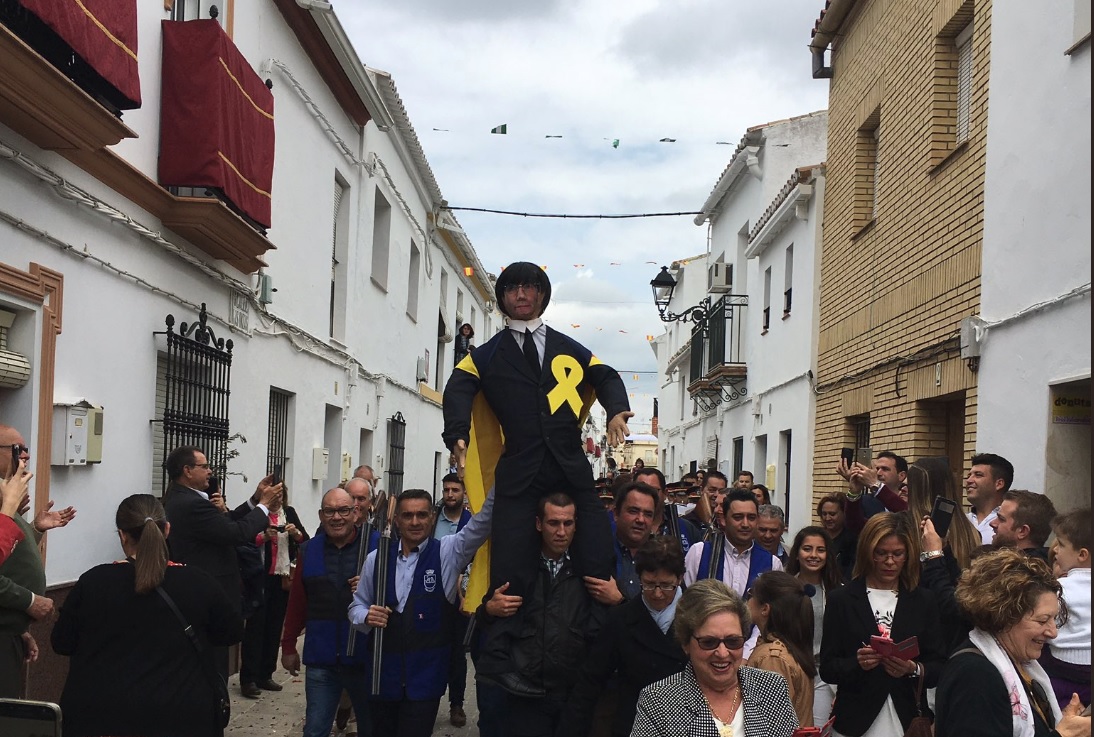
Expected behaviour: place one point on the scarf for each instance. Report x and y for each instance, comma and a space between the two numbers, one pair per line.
1021, 709
663, 619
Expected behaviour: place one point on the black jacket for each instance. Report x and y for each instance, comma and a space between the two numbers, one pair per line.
632, 645
940, 576
848, 623
203, 537
522, 403
972, 699
559, 622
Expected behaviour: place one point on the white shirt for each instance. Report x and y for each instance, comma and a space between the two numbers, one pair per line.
734, 568
539, 334
986, 533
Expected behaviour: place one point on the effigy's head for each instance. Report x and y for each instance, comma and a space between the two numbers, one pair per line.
522, 291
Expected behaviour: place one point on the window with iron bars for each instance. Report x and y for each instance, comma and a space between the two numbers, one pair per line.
396, 450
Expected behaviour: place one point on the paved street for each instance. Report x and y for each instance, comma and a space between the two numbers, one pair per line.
282, 713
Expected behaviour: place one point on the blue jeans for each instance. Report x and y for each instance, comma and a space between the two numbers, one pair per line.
323, 687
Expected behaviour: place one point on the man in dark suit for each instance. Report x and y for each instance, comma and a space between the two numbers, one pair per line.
532, 386
204, 536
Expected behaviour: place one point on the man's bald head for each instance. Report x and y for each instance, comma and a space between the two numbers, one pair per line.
361, 492
9, 437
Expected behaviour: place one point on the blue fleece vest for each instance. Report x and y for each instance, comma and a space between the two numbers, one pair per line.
327, 627
416, 643
758, 562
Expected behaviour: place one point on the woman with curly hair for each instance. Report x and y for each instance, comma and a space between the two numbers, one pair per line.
993, 685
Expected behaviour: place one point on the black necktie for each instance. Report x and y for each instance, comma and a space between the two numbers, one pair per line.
530, 353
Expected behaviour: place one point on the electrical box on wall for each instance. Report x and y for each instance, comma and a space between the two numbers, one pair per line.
320, 457
95, 435
347, 465
70, 433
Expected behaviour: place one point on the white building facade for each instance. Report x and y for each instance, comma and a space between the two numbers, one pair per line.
1032, 341
740, 397
341, 308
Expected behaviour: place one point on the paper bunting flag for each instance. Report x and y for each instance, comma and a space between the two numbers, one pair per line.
667, 140
615, 143
503, 129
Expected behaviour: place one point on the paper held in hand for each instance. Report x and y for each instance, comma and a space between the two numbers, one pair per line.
905, 650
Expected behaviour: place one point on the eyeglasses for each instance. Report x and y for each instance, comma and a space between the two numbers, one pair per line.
17, 449
340, 511
733, 642
897, 557
665, 588
200, 465
511, 288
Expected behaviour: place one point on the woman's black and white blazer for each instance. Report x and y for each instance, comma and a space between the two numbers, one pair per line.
675, 706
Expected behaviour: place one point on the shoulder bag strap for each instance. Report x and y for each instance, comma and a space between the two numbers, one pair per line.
182, 620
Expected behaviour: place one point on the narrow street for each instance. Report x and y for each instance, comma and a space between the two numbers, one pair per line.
282, 713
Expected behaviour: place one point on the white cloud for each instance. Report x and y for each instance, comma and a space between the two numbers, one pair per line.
699, 71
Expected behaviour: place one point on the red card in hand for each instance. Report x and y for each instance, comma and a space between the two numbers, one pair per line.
825, 731
905, 650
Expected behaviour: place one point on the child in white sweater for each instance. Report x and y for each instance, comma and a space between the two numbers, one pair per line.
1067, 658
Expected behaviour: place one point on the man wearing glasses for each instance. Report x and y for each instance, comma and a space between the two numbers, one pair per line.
22, 575
532, 386
205, 537
321, 593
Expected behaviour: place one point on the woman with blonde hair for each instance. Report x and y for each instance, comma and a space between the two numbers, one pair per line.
993, 685
931, 477
133, 670
879, 695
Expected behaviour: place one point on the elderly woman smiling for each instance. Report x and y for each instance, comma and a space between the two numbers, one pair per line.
993, 685
715, 696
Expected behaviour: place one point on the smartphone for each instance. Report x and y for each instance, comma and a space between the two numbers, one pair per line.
865, 456
214, 486
276, 475
942, 514
848, 456
20, 718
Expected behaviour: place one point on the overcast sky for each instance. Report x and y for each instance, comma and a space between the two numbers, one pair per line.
591, 71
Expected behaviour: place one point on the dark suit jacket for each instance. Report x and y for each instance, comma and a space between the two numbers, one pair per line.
520, 401
848, 623
205, 538
633, 646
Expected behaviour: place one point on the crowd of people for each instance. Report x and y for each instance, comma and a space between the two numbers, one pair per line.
678, 610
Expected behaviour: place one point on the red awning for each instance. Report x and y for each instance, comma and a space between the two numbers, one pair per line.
216, 118
103, 33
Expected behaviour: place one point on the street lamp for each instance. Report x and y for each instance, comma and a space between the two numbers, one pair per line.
663, 286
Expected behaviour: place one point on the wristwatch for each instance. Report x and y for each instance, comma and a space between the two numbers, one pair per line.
926, 555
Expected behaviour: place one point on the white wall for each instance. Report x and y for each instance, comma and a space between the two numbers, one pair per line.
1036, 241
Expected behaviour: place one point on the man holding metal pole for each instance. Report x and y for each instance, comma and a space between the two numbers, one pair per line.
320, 594
420, 580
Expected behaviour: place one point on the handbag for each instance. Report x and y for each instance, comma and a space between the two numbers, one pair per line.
921, 724
223, 702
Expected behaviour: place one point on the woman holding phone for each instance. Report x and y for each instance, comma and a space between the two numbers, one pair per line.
876, 695
947, 552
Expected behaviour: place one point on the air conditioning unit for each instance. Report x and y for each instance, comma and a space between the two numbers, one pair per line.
720, 278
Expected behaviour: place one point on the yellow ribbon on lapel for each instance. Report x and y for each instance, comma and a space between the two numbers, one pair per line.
568, 373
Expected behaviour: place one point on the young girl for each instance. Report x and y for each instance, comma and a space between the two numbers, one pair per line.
810, 562
780, 607
1067, 658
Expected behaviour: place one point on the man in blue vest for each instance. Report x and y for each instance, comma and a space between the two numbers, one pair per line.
421, 581
733, 557
322, 588
451, 516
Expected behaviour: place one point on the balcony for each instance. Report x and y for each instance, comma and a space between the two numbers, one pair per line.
717, 372
44, 106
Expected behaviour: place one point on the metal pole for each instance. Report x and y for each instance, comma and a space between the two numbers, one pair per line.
382, 554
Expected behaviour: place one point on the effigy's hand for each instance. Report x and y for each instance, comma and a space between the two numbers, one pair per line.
617, 428
460, 449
